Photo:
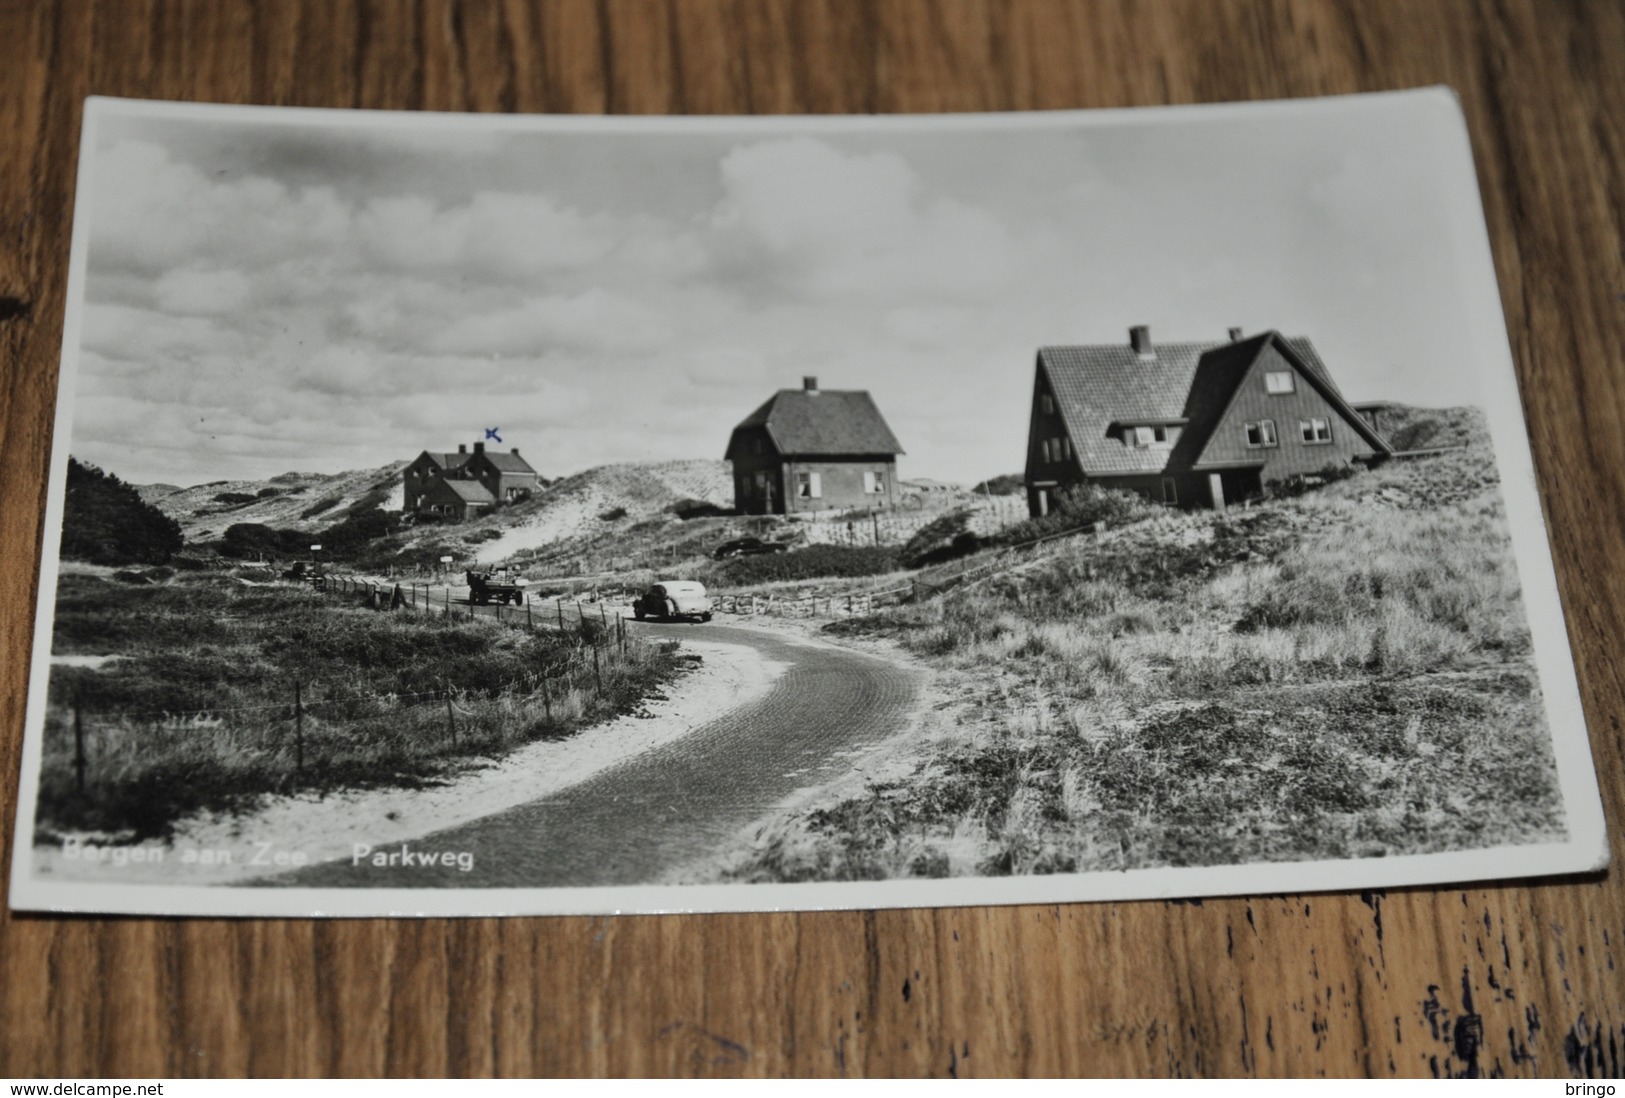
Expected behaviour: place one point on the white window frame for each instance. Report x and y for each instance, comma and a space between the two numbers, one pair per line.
1043, 449
1267, 437
1279, 382
1315, 431
874, 483
1144, 437
809, 486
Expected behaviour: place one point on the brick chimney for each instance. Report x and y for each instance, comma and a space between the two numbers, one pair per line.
1139, 337
479, 447
462, 447
1235, 335
810, 384
514, 451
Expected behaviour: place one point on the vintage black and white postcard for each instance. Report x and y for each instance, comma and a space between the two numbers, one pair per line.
478, 514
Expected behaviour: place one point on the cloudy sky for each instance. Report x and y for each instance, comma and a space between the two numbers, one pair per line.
276, 292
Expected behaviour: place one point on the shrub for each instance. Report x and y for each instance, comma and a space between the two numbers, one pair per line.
105, 521
613, 514
940, 540
687, 509
319, 506
1005, 484
236, 499
1079, 506
267, 493
813, 562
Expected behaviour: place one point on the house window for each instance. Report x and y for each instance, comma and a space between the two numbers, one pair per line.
1066, 447
1146, 437
1261, 433
1043, 448
874, 482
1048, 404
1278, 381
1170, 491
761, 482
1315, 431
809, 486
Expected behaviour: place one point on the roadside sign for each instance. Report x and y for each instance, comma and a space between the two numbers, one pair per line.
445, 560
315, 548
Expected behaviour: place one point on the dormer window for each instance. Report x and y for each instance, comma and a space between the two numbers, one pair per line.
1147, 437
1278, 382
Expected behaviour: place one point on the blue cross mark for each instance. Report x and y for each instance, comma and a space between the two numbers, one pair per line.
491, 433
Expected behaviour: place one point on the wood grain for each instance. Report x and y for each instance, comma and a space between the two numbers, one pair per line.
1512, 978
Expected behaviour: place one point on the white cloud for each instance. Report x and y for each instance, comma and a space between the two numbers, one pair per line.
195, 292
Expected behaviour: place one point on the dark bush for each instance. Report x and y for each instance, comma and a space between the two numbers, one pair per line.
1289, 487
319, 506
813, 562
1077, 507
267, 493
686, 509
105, 521
1006, 484
613, 514
940, 540
235, 498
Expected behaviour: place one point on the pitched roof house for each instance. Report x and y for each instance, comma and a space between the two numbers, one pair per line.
456, 499
813, 449
1188, 423
500, 477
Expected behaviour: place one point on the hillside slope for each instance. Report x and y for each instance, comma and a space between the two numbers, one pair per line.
292, 501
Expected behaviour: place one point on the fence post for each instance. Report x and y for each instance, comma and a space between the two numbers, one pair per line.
451, 721
78, 746
529, 624
547, 699
597, 676
298, 728
560, 604
603, 613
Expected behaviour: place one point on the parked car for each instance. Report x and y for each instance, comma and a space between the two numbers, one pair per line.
745, 547
673, 599
483, 587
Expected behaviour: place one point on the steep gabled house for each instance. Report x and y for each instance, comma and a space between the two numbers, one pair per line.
813, 449
427, 470
506, 476
456, 500
438, 483
1189, 424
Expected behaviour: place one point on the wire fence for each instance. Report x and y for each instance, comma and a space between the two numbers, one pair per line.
318, 720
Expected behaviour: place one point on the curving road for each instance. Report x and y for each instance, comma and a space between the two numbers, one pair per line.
634, 822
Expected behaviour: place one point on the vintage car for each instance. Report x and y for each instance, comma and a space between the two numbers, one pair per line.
745, 547
673, 599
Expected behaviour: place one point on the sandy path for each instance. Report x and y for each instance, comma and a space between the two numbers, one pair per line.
285, 832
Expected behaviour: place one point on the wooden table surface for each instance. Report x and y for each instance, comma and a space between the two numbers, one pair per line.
1501, 978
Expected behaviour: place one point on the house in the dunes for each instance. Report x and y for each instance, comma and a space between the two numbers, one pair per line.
456, 500
427, 470
506, 476
1188, 424
439, 483
813, 449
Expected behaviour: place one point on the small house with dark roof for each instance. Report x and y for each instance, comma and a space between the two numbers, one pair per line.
1188, 424
427, 470
813, 449
506, 476
456, 500
498, 476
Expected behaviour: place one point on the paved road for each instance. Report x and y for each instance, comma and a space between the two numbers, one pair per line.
633, 822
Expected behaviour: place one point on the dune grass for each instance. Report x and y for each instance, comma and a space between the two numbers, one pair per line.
198, 710
1344, 674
